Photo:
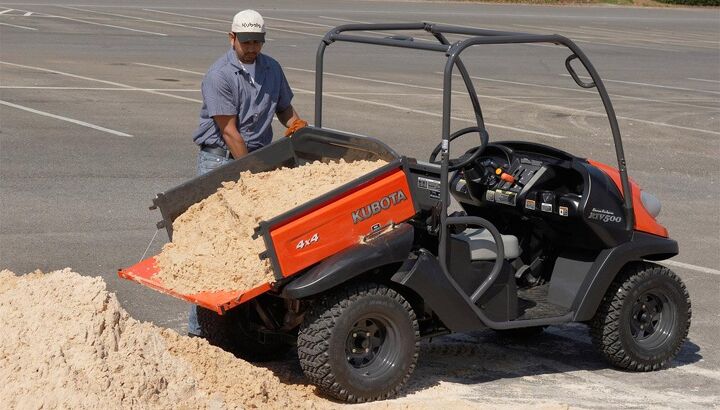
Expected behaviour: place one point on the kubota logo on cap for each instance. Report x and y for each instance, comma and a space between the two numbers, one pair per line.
378, 206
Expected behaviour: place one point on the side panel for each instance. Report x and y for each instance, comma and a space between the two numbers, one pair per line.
390, 247
342, 223
427, 279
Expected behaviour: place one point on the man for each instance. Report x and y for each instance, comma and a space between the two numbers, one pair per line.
242, 91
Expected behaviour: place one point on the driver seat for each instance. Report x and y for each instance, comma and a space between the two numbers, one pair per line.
482, 245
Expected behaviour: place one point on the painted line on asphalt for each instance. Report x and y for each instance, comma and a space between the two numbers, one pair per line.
598, 114
590, 36
67, 119
104, 25
15, 25
398, 107
667, 87
702, 79
552, 87
589, 39
6, 11
27, 87
434, 114
691, 267
662, 40
47, 70
226, 22
167, 23
551, 106
170, 68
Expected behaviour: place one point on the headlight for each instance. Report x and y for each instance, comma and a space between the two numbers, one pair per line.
650, 203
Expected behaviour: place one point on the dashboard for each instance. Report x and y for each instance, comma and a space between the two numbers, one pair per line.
529, 181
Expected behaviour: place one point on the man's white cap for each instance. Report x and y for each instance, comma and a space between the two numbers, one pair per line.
248, 25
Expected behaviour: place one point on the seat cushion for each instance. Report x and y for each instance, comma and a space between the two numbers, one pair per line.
482, 244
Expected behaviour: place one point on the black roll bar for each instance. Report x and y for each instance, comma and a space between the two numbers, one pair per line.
453, 51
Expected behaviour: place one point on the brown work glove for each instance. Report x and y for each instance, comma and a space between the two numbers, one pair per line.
296, 125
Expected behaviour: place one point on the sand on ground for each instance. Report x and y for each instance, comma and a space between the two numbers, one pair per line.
67, 343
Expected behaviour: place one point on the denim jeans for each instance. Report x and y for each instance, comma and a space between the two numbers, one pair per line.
206, 162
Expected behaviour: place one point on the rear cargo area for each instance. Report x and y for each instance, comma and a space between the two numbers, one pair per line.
366, 191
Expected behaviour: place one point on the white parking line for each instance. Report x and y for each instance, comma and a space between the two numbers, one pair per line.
667, 87
14, 25
591, 36
593, 113
664, 38
226, 22
170, 68
100, 24
702, 79
167, 23
397, 107
101, 81
6, 11
691, 267
557, 107
552, 87
26, 87
60, 117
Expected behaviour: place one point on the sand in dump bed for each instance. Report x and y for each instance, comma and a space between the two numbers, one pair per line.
67, 343
212, 247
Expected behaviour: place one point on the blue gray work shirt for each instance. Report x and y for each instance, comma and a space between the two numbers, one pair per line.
228, 89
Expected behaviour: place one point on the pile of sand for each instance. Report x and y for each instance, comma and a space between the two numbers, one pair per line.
67, 343
212, 247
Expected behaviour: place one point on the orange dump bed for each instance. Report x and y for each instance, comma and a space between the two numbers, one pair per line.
309, 233
144, 272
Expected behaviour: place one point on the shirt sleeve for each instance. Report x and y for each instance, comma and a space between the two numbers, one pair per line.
218, 96
286, 95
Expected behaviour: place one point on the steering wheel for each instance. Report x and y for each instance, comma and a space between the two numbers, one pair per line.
468, 157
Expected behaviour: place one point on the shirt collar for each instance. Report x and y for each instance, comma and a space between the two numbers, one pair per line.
260, 63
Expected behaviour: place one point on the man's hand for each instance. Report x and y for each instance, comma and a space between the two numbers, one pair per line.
291, 120
296, 125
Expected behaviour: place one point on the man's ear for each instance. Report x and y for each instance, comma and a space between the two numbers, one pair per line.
231, 37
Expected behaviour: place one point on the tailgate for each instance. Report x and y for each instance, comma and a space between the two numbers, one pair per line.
144, 272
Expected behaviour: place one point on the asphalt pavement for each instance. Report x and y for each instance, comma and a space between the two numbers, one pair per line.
98, 102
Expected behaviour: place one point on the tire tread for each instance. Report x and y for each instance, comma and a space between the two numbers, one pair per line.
315, 333
605, 325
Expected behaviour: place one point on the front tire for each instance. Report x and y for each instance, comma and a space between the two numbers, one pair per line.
359, 343
643, 319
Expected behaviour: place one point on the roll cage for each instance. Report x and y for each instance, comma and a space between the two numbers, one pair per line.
453, 51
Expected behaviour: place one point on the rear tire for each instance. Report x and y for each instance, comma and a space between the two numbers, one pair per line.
359, 343
234, 332
643, 319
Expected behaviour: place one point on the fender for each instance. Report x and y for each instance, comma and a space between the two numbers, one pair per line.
390, 247
609, 263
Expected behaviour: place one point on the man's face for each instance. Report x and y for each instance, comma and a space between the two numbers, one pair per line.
246, 51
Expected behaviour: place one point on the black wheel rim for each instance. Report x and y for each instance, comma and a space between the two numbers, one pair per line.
653, 318
371, 346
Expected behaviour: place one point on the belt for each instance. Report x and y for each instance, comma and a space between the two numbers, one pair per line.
217, 151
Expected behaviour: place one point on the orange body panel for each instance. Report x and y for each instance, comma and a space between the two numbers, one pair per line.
644, 221
144, 273
342, 223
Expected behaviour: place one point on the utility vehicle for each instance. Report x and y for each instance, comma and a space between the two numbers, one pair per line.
367, 270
